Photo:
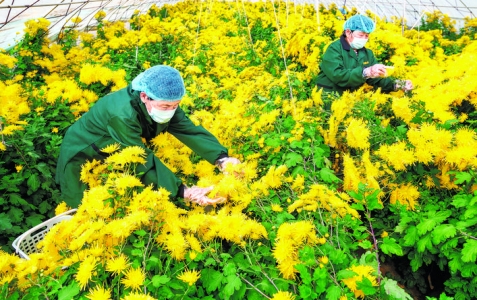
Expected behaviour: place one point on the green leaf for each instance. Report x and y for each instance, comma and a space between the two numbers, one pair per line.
298, 170
373, 202
141, 232
328, 176
273, 142
411, 236
462, 177
425, 226
463, 225
225, 256
356, 195
389, 246
44, 207
233, 283
159, 280
230, 269
333, 293
307, 255
211, 279
344, 274
366, 286
470, 212
320, 277
469, 252
210, 262
443, 232
153, 261
460, 200
455, 264
292, 159
5, 222
305, 291
176, 285
69, 292
393, 290
473, 200
136, 252
43, 168
17, 200
469, 271
33, 182
304, 274
366, 244
34, 220
424, 242
429, 224
338, 256
16, 214
441, 216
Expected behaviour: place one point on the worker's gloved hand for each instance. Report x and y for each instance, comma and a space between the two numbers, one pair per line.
374, 71
405, 85
221, 163
198, 195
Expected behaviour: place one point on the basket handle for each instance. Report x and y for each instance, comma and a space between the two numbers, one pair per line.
18, 240
69, 212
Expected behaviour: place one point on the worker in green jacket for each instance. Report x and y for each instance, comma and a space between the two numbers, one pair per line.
347, 65
147, 107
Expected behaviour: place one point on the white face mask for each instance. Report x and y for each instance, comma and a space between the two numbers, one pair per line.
161, 116
358, 43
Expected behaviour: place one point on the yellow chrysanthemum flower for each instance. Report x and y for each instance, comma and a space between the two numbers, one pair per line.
189, 277
134, 278
406, 194
85, 271
357, 134
276, 207
61, 208
138, 296
361, 272
99, 293
111, 148
118, 264
283, 296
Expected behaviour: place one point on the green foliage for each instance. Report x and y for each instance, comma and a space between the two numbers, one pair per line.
29, 194
443, 233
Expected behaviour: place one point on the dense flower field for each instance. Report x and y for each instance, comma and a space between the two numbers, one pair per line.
376, 200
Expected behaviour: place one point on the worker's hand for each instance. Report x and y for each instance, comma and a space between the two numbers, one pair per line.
374, 71
198, 195
405, 85
221, 163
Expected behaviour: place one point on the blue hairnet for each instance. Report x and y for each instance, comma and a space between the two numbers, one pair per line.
160, 83
359, 22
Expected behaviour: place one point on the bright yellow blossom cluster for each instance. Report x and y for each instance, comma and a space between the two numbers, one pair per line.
33, 27
361, 273
290, 238
320, 196
96, 73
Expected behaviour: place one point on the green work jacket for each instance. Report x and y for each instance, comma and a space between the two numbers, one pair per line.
121, 117
341, 69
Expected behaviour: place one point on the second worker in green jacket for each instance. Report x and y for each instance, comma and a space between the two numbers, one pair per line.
147, 107
347, 65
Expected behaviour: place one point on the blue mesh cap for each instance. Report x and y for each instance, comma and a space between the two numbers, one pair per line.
160, 83
361, 23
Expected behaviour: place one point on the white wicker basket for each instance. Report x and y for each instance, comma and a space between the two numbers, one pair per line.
26, 243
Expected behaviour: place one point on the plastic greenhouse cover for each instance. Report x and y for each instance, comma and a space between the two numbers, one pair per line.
14, 13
